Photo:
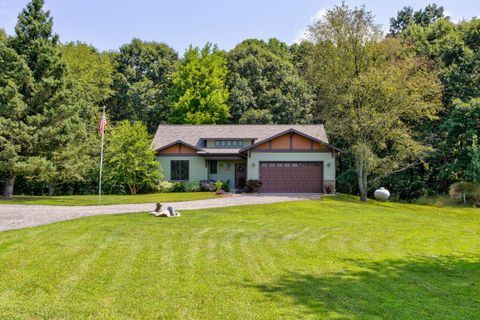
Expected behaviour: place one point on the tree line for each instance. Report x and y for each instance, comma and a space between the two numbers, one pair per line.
405, 106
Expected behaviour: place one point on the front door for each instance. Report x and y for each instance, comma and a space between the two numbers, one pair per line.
240, 175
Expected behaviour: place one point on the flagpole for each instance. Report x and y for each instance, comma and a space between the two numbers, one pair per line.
101, 161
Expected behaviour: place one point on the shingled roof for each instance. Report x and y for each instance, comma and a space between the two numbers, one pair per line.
193, 134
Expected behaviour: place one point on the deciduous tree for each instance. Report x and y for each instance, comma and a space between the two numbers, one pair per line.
371, 92
142, 82
130, 161
199, 94
263, 77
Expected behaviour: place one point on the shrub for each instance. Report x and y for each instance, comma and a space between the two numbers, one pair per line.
206, 185
165, 186
218, 185
179, 187
465, 190
192, 186
437, 201
253, 186
226, 186
329, 188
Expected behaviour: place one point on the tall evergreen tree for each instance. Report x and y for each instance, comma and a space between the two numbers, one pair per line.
52, 107
16, 138
199, 93
422, 17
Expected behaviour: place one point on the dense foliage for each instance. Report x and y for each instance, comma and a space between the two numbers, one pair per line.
404, 107
142, 82
130, 162
47, 133
264, 85
371, 93
199, 93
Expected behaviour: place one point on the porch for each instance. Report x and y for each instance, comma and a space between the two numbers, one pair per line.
232, 170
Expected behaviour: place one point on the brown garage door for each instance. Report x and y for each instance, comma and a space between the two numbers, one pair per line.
291, 176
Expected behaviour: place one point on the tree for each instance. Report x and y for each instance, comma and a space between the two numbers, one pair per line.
299, 53
3, 35
407, 16
142, 82
91, 71
402, 21
256, 116
52, 107
199, 94
263, 77
429, 15
472, 173
91, 74
371, 92
453, 50
16, 138
130, 161
459, 148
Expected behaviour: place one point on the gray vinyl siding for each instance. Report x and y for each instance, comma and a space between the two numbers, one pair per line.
197, 168
257, 157
225, 171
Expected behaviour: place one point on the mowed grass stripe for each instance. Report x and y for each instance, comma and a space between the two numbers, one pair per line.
333, 258
108, 199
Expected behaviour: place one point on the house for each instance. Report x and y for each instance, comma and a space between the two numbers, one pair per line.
285, 158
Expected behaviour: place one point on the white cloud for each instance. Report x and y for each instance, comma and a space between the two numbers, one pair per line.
451, 16
302, 33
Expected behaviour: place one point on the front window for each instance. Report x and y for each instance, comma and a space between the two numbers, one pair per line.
229, 143
213, 166
179, 170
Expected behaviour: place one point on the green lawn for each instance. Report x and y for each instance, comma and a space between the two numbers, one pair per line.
318, 259
90, 200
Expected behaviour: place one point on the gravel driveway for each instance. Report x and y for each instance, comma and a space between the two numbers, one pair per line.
14, 216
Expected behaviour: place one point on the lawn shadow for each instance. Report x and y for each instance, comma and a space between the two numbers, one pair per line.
422, 288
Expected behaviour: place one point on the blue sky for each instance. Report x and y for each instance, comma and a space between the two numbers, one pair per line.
107, 24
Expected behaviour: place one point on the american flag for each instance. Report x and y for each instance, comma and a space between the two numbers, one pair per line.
103, 124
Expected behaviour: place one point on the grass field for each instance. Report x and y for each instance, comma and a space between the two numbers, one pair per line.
319, 259
90, 200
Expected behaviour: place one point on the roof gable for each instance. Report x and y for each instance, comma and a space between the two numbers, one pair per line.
291, 130
193, 134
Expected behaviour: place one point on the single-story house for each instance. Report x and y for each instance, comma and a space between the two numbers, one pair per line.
285, 158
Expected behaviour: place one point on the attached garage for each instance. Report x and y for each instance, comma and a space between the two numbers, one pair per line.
290, 176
